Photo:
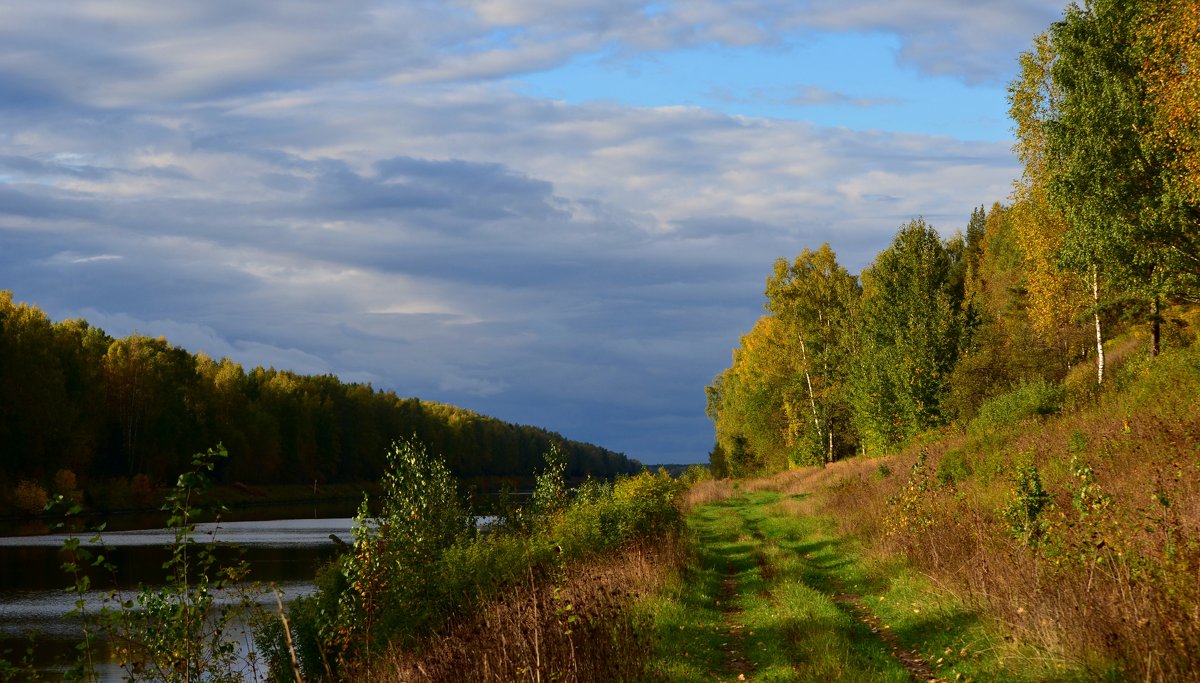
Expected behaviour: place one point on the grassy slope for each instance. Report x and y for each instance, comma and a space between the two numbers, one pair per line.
927, 555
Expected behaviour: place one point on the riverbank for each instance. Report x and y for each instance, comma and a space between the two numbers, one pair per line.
241, 502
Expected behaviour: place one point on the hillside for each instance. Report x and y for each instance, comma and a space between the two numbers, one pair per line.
1056, 537
1078, 531
80, 410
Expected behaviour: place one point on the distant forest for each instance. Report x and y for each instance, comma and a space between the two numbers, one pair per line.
74, 399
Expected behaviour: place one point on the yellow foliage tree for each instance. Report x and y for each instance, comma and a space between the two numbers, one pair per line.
1171, 70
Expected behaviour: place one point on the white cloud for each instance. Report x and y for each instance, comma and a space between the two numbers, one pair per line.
285, 184
133, 53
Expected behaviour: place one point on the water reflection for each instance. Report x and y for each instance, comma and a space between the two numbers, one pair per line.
33, 599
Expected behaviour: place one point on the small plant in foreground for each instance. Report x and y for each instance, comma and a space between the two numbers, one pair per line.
392, 583
910, 508
181, 632
1027, 501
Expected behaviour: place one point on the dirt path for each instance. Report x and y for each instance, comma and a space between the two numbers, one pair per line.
783, 611
917, 667
731, 614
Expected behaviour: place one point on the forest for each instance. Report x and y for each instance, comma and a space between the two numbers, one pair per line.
1100, 237
79, 408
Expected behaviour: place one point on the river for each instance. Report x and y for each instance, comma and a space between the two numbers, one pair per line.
34, 600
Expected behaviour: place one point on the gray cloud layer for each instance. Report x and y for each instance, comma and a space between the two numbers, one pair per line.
297, 184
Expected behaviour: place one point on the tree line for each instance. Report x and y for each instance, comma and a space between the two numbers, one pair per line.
1100, 235
73, 398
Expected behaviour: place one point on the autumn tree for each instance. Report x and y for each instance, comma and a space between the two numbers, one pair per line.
1057, 297
32, 391
1100, 172
1169, 35
1101, 107
814, 299
1006, 347
747, 402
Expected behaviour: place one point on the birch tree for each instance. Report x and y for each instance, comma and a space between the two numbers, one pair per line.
814, 299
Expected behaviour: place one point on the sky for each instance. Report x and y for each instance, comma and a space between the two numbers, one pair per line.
555, 212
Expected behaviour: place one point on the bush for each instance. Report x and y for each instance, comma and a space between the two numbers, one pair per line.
1027, 501
695, 474
143, 491
391, 578
1035, 399
67, 486
30, 497
418, 564
953, 468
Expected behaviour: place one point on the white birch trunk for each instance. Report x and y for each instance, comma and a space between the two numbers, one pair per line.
1096, 317
812, 400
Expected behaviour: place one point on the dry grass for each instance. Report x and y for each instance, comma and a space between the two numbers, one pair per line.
575, 629
708, 491
1115, 583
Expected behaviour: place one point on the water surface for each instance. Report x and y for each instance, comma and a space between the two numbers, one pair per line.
284, 553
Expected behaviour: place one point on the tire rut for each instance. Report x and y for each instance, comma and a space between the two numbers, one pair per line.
918, 668
738, 663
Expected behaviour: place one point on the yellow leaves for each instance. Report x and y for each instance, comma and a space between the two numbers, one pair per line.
1031, 102
1055, 296
1171, 71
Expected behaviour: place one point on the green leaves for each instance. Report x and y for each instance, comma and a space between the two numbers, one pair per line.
392, 571
912, 327
1094, 107
783, 400
1027, 501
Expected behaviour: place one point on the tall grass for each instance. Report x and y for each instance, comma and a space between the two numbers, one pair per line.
418, 578
576, 628
1082, 533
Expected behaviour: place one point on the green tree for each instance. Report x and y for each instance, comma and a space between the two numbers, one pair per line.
912, 327
1102, 171
748, 402
718, 464
1056, 296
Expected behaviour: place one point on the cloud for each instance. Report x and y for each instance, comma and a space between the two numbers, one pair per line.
355, 189
471, 386
76, 258
813, 95
975, 42
120, 54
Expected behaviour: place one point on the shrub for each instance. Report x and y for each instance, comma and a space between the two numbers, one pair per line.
1035, 399
1027, 501
391, 578
550, 488
418, 565
67, 486
909, 510
695, 474
953, 468
30, 497
143, 491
